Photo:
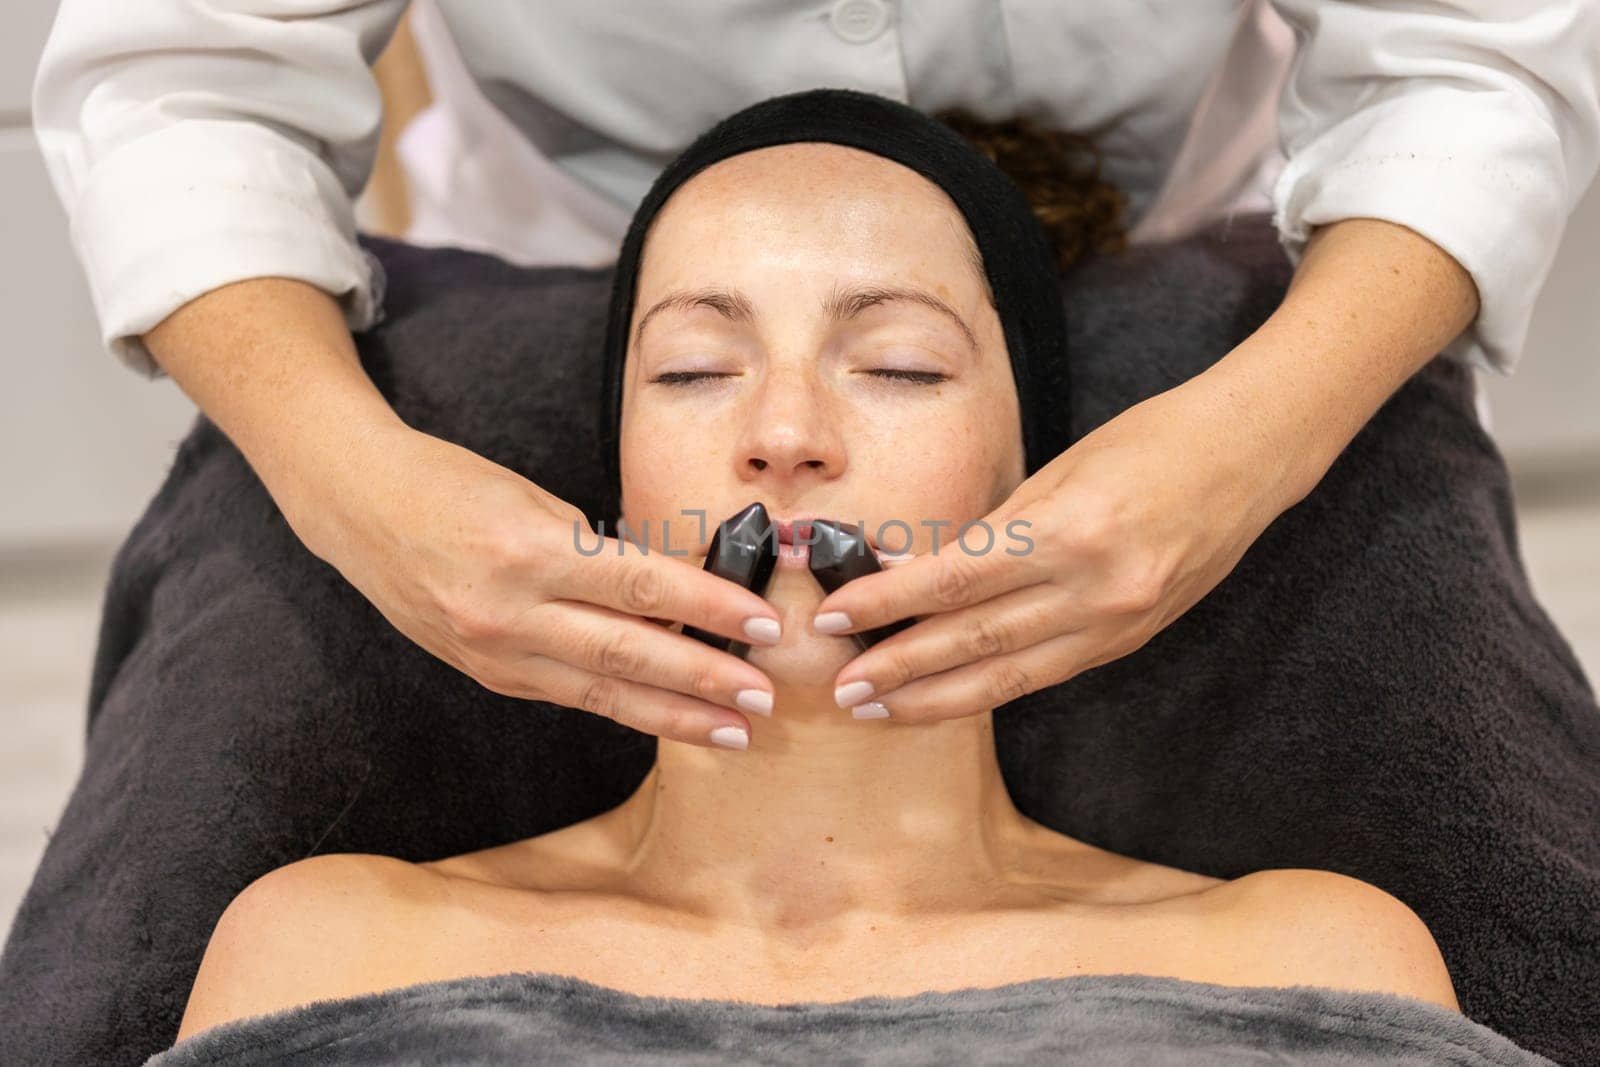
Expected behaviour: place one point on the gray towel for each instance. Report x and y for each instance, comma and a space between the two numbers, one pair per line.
1374, 690
1114, 1020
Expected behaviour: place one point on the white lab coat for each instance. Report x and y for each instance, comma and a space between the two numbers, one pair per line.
200, 142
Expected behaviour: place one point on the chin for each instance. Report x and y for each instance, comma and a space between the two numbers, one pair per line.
803, 658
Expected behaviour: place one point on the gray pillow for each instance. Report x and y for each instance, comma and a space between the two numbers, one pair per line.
1373, 690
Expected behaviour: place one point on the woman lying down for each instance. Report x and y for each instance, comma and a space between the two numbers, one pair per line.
845, 888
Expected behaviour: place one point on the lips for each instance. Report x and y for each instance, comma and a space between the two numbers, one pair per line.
794, 541
796, 530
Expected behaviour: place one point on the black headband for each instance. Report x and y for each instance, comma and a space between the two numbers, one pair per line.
1017, 257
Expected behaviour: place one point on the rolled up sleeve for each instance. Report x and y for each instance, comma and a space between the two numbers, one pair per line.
195, 144
1475, 123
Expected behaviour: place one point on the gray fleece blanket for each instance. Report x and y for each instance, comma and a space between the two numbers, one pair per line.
1110, 1020
1374, 690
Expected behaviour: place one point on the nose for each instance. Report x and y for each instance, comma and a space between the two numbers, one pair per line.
791, 437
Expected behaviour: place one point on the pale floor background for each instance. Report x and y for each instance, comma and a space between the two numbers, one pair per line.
50, 615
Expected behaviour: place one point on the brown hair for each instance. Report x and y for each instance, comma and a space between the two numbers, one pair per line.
1081, 213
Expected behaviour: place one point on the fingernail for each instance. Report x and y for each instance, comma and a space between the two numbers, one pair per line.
854, 693
831, 622
766, 631
873, 710
730, 737
755, 700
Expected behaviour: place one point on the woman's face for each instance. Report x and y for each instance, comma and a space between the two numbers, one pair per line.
776, 363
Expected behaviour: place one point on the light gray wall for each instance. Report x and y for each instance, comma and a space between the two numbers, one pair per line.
1547, 414
84, 441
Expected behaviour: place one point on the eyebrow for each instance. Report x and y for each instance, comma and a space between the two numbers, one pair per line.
839, 305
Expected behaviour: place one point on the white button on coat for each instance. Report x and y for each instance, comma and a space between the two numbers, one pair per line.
858, 21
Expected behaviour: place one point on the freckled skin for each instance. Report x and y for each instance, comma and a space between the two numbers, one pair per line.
803, 427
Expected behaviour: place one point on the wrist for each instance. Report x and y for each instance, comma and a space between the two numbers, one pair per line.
319, 477
1283, 429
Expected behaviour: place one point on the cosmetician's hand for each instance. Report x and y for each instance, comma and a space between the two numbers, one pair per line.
1130, 527
478, 565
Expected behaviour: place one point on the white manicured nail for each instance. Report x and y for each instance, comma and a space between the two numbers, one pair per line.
831, 622
873, 710
762, 630
758, 701
730, 737
847, 695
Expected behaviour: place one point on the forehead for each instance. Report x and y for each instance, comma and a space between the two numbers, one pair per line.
799, 206
812, 164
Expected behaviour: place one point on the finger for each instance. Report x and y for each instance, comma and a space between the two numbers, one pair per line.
927, 585
1019, 619
658, 586
989, 683
647, 709
615, 644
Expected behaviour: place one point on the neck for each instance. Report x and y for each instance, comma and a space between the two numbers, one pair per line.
823, 816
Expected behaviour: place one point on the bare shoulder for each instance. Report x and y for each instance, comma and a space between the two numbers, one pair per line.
1085, 873
312, 930
1311, 927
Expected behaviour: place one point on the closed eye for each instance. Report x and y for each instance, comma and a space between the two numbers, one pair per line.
687, 377
918, 377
